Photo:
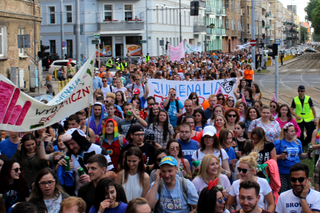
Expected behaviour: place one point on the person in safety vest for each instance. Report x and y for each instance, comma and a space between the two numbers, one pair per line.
303, 109
147, 58
118, 64
110, 62
124, 64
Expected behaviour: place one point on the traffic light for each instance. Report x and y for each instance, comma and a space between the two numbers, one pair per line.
261, 45
194, 8
42, 53
274, 48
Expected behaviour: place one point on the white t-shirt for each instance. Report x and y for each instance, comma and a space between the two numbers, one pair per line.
288, 202
123, 89
200, 184
105, 90
216, 153
264, 190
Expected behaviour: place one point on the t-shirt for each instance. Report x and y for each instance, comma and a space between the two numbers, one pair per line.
264, 190
208, 113
105, 90
198, 155
272, 130
294, 149
264, 155
173, 200
231, 154
124, 125
121, 208
53, 205
188, 149
172, 110
148, 152
8, 148
238, 211
288, 202
200, 184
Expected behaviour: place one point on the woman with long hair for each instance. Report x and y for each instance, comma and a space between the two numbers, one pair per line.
160, 153
247, 92
195, 101
163, 130
120, 100
175, 150
274, 107
247, 170
200, 119
226, 139
315, 141
252, 114
136, 103
233, 117
230, 102
210, 170
194, 134
217, 110
289, 151
242, 109
210, 145
153, 114
211, 201
28, 156
256, 94
262, 146
220, 122
268, 124
106, 199
222, 101
133, 178
13, 185
258, 105
46, 192
119, 87
241, 137
239, 88
285, 116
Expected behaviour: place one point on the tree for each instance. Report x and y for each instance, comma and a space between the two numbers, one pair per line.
316, 20
310, 7
304, 34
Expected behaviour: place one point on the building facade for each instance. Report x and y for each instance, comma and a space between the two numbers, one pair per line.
19, 17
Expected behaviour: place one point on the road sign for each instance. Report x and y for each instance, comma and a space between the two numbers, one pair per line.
96, 41
64, 44
143, 41
96, 36
104, 51
278, 41
253, 42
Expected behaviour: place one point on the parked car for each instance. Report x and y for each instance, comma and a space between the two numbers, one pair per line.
59, 63
46, 61
310, 50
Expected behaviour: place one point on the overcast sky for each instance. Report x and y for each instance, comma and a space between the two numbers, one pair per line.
300, 7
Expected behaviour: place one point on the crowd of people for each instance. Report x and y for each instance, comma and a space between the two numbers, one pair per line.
128, 153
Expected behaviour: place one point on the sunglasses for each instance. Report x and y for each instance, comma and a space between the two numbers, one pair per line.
300, 179
301, 91
106, 102
230, 100
158, 159
244, 171
16, 170
273, 106
221, 200
220, 99
194, 98
174, 148
232, 116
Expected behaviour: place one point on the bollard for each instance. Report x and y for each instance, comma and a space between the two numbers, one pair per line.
59, 85
55, 73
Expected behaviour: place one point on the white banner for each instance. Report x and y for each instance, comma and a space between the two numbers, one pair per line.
21, 113
159, 88
240, 47
192, 49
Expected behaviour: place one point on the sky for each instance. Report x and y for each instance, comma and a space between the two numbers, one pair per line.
300, 7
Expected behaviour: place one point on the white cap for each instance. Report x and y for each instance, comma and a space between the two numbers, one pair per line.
209, 130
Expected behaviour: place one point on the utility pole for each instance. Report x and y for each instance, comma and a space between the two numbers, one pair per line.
147, 27
205, 36
253, 34
61, 28
180, 27
78, 35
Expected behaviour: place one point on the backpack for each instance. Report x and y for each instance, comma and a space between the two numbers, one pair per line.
177, 105
184, 190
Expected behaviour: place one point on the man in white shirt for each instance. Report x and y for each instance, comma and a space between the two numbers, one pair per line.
105, 87
301, 198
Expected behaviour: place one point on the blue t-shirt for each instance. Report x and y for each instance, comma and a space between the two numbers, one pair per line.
8, 148
173, 109
188, 149
173, 200
142, 102
197, 128
294, 149
231, 154
119, 209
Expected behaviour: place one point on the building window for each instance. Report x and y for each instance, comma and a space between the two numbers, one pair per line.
3, 41
21, 50
227, 23
52, 15
128, 12
52, 46
248, 26
70, 48
107, 12
69, 13
227, 3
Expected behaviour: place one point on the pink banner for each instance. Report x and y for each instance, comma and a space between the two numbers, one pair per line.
176, 53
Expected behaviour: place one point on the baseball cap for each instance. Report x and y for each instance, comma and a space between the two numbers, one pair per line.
209, 130
136, 91
301, 87
168, 160
136, 128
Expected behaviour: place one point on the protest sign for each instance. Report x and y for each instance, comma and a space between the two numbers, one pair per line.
21, 113
192, 49
159, 88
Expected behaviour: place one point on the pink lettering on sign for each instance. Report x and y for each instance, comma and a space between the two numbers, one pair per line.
10, 112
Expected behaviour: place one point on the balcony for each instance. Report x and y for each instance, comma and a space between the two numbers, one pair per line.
210, 10
214, 31
199, 26
121, 25
221, 11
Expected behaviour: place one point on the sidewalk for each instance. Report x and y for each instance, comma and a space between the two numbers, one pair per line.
273, 68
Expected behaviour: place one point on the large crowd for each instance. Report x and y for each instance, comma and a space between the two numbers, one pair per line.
129, 153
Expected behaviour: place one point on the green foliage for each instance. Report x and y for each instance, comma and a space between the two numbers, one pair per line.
316, 19
304, 35
312, 5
